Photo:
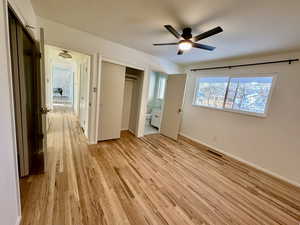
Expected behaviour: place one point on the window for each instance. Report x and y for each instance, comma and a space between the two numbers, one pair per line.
249, 94
161, 87
240, 94
211, 91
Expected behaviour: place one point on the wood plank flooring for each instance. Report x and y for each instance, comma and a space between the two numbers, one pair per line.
148, 181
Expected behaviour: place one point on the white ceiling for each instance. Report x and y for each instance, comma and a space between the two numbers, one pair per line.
250, 27
53, 53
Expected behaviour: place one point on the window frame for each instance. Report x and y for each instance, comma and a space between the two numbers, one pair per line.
261, 115
197, 88
159, 88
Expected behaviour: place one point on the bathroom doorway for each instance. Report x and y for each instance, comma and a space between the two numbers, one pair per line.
156, 93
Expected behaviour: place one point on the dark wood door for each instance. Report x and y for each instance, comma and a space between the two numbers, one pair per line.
25, 57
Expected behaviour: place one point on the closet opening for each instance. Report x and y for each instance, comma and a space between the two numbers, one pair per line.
131, 100
120, 100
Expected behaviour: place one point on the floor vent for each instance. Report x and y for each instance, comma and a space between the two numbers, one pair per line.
215, 153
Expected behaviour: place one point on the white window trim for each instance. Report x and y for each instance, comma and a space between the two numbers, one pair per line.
260, 115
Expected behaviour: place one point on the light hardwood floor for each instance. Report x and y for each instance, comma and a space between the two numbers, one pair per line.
148, 181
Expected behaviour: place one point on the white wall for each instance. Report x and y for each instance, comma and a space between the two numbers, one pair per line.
64, 36
271, 143
9, 188
26, 14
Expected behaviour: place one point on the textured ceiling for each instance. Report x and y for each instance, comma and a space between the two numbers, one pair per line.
250, 27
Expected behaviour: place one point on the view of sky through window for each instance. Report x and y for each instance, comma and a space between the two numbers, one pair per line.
211, 91
248, 94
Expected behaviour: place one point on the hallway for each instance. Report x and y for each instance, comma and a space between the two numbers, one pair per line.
148, 181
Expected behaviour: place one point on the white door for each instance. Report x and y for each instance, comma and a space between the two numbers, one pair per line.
111, 101
84, 95
171, 118
82, 91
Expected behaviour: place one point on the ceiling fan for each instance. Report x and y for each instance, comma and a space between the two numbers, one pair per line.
187, 41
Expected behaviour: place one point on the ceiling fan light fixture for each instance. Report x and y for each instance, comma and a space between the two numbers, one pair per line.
65, 54
188, 41
185, 45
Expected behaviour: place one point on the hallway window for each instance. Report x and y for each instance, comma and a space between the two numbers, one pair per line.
62, 86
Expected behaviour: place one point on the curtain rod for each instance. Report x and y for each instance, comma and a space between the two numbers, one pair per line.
242, 65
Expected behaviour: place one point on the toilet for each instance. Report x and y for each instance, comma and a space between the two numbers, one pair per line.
148, 118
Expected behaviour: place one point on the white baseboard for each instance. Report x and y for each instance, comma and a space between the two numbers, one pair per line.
92, 142
243, 161
131, 131
19, 220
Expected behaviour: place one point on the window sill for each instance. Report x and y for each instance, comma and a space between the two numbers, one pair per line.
259, 115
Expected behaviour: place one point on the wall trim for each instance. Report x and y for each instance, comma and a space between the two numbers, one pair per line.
6, 5
261, 169
106, 59
19, 219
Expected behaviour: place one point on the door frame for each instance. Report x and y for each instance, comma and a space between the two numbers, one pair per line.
5, 6
92, 87
25, 162
147, 97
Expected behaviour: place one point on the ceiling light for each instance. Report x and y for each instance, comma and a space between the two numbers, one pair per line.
65, 54
185, 45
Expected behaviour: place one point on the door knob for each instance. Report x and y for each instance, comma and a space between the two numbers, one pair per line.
44, 110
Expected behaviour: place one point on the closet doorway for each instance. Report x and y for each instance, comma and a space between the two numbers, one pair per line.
120, 100
131, 100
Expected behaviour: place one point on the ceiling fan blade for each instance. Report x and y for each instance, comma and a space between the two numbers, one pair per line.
205, 47
161, 44
179, 52
207, 34
173, 31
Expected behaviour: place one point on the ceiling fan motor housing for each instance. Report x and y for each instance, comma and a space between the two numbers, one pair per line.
187, 33
187, 41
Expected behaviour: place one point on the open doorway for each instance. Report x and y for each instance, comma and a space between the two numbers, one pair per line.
164, 106
132, 99
68, 82
155, 103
